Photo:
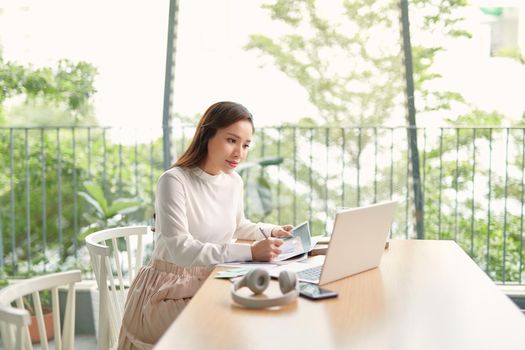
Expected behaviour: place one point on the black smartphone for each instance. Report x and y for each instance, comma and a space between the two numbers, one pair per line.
313, 291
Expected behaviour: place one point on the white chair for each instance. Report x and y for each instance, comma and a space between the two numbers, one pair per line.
116, 257
14, 321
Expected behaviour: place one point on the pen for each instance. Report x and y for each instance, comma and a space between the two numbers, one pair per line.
264, 234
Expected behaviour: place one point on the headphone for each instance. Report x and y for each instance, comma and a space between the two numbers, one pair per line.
258, 280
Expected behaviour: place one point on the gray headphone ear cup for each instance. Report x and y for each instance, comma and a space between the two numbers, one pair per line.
257, 280
287, 281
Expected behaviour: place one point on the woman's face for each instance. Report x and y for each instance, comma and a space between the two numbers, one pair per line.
228, 148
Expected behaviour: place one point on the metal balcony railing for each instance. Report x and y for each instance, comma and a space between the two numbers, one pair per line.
472, 182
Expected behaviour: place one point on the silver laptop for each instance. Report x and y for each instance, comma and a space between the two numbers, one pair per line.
356, 245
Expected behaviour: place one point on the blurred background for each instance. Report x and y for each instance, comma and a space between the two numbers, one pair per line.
94, 105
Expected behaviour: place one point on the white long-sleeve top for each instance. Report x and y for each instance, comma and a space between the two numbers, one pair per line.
198, 214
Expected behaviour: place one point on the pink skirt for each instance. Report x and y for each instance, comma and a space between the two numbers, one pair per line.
156, 297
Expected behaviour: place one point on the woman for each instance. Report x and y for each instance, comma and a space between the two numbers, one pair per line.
199, 209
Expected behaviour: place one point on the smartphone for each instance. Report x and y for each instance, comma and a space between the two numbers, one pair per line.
313, 291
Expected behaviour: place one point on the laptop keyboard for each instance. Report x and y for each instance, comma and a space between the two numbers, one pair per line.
312, 273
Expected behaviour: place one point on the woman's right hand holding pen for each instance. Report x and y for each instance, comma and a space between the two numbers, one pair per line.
266, 249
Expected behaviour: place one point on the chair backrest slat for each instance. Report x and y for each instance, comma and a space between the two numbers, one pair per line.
104, 304
114, 302
95, 264
6, 328
40, 320
21, 341
118, 267
115, 270
68, 340
26, 337
138, 256
56, 318
14, 321
20, 303
131, 270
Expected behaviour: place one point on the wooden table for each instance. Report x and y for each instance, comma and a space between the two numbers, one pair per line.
425, 295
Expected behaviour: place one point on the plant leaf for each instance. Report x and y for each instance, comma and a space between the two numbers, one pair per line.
93, 202
89, 229
264, 162
123, 206
98, 195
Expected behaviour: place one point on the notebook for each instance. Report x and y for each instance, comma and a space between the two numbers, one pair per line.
356, 245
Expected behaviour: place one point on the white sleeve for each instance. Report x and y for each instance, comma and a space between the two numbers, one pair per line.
180, 247
247, 229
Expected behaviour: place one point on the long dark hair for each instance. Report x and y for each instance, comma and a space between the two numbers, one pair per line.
219, 115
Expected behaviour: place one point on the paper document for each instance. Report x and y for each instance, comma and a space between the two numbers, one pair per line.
293, 247
240, 271
300, 243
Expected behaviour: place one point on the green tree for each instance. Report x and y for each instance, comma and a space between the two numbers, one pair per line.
64, 91
349, 62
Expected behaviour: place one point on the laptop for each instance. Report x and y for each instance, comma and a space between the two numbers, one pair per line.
356, 245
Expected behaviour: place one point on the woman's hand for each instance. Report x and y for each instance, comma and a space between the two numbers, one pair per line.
282, 231
266, 249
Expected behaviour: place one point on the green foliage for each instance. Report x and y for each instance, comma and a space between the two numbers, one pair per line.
69, 84
27, 173
511, 52
311, 182
3, 278
60, 161
304, 58
310, 174
39, 112
349, 63
107, 213
350, 75
474, 194
479, 117
41, 211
